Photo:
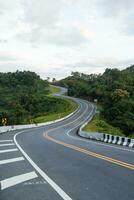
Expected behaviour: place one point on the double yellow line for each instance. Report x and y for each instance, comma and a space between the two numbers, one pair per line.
87, 152
90, 153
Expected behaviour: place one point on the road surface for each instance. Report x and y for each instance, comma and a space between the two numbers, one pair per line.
53, 163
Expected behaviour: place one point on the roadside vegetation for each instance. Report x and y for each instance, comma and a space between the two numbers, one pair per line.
53, 90
100, 125
113, 90
26, 98
66, 109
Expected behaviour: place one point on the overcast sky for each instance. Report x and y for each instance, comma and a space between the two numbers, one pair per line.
55, 37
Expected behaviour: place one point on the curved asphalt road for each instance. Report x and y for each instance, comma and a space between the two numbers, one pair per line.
57, 164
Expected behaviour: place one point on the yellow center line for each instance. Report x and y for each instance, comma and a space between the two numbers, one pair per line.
90, 153
87, 152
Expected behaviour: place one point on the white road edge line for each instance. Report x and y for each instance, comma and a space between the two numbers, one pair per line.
6, 140
11, 160
10, 144
8, 150
42, 173
17, 179
90, 141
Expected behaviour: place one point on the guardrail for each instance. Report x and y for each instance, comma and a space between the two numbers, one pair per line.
119, 140
107, 138
4, 129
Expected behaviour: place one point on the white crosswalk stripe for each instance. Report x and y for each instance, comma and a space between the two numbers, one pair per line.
6, 140
10, 144
8, 150
12, 180
11, 160
17, 179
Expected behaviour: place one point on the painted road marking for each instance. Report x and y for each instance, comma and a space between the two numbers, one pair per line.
101, 144
11, 160
10, 144
88, 118
17, 179
6, 140
90, 153
35, 183
59, 190
8, 150
43, 174
108, 145
89, 141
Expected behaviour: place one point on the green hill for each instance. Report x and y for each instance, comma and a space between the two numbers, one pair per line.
114, 90
25, 98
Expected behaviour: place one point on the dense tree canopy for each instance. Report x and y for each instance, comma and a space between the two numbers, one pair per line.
114, 89
23, 96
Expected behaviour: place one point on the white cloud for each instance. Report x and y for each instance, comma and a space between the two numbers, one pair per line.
42, 13
46, 22
53, 36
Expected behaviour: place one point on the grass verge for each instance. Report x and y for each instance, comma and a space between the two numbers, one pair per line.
53, 89
70, 107
57, 115
100, 125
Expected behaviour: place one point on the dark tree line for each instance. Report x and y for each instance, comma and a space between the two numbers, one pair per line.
114, 90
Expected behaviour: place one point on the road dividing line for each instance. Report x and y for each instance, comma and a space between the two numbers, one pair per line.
98, 143
17, 179
6, 140
59, 190
11, 160
8, 150
90, 153
4, 145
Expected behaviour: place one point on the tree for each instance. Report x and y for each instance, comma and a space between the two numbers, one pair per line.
114, 89
48, 79
53, 80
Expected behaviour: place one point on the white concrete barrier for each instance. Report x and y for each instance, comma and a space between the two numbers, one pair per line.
91, 135
115, 140
106, 138
84, 134
103, 136
131, 143
110, 138
121, 141
4, 129
126, 142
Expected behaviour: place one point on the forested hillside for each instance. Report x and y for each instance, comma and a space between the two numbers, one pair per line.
24, 96
114, 90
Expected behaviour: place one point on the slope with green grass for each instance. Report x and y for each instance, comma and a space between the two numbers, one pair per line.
65, 107
26, 98
69, 107
113, 90
100, 125
53, 90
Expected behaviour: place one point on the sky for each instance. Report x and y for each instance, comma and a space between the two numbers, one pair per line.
55, 37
